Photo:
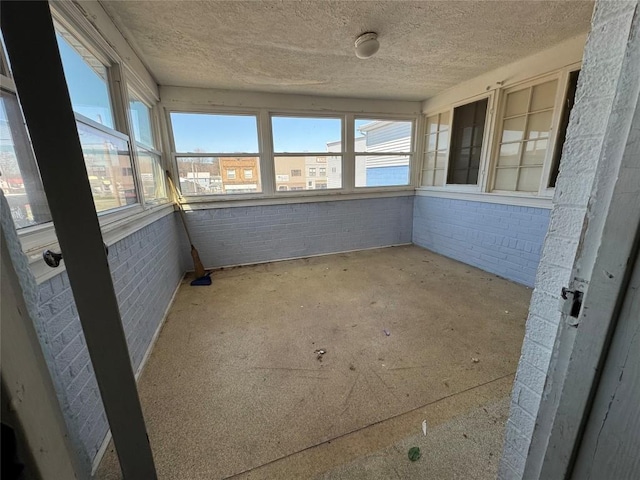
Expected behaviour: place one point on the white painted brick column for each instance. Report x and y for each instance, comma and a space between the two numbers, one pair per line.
582, 161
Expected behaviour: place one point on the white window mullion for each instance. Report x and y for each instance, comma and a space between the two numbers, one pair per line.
267, 167
349, 157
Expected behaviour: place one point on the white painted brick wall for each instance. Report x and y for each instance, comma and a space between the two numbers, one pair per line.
146, 268
241, 235
581, 159
501, 239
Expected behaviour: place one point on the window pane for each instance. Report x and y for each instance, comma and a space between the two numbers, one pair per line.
382, 171
141, 121
506, 179
86, 80
544, 96
513, 129
517, 103
467, 134
444, 121
207, 133
152, 176
296, 134
509, 154
432, 142
430, 161
383, 136
427, 178
108, 167
19, 175
439, 178
218, 175
529, 180
534, 152
432, 124
308, 172
443, 141
539, 125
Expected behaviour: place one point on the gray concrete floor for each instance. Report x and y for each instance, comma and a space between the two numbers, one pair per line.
233, 387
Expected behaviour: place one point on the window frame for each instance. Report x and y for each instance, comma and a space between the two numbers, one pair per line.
150, 102
562, 77
415, 129
116, 223
174, 155
272, 154
491, 141
480, 186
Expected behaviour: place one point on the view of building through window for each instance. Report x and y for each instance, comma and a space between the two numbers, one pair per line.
19, 176
383, 152
216, 154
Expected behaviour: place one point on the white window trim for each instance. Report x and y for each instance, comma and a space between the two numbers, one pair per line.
492, 132
413, 153
120, 222
269, 194
561, 89
304, 114
480, 186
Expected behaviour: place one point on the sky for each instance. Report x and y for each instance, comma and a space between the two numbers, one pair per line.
234, 134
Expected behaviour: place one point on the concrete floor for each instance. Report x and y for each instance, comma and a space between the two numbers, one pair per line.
233, 387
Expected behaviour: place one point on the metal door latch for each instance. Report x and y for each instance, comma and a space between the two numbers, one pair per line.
572, 303
53, 259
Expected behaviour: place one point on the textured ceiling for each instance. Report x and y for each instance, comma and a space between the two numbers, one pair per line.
306, 47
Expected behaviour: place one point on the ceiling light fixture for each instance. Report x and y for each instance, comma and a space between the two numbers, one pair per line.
367, 45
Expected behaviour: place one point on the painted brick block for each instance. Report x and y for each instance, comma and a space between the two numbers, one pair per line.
146, 269
501, 239
242, 235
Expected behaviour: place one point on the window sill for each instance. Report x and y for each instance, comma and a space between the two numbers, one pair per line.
284, 198
115, 226
504, 199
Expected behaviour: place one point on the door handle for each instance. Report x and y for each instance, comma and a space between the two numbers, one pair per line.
53, 259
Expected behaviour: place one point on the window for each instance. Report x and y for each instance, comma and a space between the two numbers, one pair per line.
466, 143
208, 145
302, 141
108, 162
524, 137
106, 150
248, 173
87, 79
321, 186
19, 176
323, 171
383, 152
152, 174
436, 150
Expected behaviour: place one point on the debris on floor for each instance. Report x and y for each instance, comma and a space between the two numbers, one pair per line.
475, 360
386, 332
414, 454
319, 353
424, 427
352, 367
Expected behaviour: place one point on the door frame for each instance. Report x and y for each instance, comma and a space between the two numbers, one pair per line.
601, 271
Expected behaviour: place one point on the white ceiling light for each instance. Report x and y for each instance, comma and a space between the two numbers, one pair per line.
367, 45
